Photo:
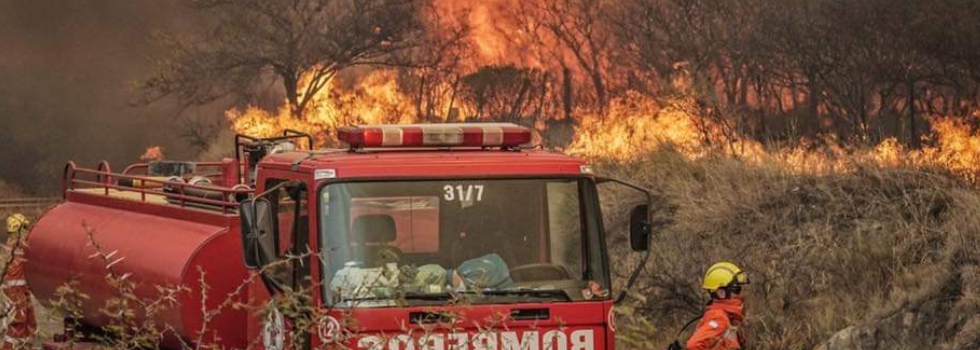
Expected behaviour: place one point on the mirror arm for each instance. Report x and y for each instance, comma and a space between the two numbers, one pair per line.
646, 192
633, 277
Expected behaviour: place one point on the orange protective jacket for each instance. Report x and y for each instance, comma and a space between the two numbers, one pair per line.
719, 328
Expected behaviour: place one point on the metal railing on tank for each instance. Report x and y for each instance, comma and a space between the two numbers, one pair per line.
173, 190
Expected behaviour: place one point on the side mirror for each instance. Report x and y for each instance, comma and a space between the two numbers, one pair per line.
640, 228
260, 233
640, 231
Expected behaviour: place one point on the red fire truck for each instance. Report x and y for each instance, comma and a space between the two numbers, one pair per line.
440, 236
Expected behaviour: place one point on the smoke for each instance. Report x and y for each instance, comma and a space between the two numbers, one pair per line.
68, 72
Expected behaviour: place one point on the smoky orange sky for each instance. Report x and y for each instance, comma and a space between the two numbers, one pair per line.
67, 76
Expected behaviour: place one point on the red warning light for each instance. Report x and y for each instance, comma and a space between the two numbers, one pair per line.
436, 135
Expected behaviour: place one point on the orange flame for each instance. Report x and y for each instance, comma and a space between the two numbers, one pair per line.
375, 99
636, 124
492, 35
632, 125
957, 146
153, 153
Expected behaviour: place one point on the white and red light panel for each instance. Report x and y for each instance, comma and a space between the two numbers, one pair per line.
436, 135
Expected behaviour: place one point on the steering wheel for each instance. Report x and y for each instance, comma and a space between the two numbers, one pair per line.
539, 272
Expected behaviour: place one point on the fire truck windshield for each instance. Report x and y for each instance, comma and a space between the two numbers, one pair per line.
429, 242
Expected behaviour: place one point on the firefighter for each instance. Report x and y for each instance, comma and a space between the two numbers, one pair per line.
720, 326
20, 321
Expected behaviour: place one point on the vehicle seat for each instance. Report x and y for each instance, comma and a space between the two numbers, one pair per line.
376, 233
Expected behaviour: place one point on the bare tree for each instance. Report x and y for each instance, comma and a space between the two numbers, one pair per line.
576, 33
199, 131
301, 44
504, 93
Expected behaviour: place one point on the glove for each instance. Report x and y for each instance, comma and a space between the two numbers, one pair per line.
675, 346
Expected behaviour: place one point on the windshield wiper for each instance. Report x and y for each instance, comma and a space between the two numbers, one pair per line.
428, 296
540, 293
406, 296
454, 295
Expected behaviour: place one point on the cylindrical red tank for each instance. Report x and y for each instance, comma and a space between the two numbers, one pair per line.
160, 246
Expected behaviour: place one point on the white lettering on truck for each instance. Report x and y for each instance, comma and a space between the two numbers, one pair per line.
582, 339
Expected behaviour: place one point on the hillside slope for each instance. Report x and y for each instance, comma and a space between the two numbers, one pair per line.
888, 255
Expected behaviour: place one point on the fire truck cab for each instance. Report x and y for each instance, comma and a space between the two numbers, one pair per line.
431, 237
428, 237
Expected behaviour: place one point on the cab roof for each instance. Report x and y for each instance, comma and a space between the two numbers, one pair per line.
427, 163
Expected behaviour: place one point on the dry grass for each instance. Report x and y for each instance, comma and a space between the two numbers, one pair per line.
824, 251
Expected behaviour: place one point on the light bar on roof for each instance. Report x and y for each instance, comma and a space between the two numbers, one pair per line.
436, 135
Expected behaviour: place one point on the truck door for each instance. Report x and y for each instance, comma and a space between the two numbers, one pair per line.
292, 206
293, 210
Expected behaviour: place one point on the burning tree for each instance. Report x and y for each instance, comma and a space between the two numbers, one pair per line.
506, 93
779, 73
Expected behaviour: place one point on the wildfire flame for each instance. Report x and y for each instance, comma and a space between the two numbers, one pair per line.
153, 153
491, 28
957, 146
375, 99
632, 125
635, 125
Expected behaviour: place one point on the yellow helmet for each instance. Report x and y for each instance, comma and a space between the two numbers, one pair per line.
722, 274
17, 222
